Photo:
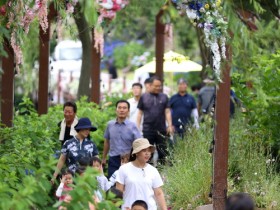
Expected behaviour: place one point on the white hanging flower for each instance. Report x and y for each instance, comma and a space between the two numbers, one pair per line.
191, 14
223, 47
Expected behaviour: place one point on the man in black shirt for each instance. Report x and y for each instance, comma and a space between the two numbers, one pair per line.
154, 106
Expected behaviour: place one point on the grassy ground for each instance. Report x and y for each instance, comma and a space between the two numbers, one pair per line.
251, 169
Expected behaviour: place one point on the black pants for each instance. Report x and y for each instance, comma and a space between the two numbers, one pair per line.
113, 164
160, 140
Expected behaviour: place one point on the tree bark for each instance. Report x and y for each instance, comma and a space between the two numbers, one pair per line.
84, 35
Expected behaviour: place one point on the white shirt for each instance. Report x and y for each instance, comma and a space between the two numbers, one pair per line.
139, 184
113, 178
103, 182
133, 111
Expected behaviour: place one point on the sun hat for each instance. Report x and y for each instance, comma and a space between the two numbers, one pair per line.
140, 144
85, 123
182, 80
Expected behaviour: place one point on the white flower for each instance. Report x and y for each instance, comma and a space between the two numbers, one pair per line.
202, 10
191, 14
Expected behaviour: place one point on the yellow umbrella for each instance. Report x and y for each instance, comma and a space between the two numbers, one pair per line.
173, 62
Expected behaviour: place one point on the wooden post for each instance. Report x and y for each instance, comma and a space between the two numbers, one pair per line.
43, 97
43, 93
95, 73
160, 27
7, 83
221, 136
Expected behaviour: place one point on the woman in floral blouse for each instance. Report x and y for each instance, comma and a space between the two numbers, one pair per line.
77, 147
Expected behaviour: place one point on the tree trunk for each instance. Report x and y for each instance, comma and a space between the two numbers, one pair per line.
84, 35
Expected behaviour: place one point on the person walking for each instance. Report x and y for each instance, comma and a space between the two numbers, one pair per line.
206, 97
139, 180
154, 106
77, 148
118, 137
183, 108
133, 111
67, 125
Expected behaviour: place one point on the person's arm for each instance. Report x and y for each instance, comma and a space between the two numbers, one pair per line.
59, 190
139, 118
120, 187
105, 150
59, 166
195, 117
159, 195
168, 118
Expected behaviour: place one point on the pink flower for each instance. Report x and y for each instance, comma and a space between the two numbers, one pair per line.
17, 50
70, 8
99, 41
27, 19
43, 14
3, 10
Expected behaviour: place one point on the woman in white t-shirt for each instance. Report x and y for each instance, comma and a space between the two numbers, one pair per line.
138, 180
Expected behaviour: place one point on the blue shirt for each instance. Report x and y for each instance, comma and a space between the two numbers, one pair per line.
153, 107
74, 151
182, 107
121, 136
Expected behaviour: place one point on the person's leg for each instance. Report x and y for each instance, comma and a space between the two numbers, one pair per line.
113, 165
161, 144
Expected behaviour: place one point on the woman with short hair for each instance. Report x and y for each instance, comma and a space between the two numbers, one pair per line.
77, 148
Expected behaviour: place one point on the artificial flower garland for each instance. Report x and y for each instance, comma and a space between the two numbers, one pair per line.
206, 14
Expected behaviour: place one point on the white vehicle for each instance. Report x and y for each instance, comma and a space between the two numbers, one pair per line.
65, 70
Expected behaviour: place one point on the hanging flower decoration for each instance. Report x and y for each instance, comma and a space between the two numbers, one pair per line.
107, 12
206, 14
17, 15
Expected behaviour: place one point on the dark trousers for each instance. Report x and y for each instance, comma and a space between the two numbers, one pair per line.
113, 164
160, 140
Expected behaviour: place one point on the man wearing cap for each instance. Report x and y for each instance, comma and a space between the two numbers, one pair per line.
77, 148
154, 106
118, 137
183, 107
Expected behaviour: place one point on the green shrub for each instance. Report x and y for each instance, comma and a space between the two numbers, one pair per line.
251, 165
27, 153
251, 169
188, 180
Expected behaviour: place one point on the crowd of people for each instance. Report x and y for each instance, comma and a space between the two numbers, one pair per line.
142, 125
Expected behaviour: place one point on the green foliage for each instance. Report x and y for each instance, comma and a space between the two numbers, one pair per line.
251, 170
27, 155
188, 180
136, 22
124, 54
262, 99
251, 166
89, 8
